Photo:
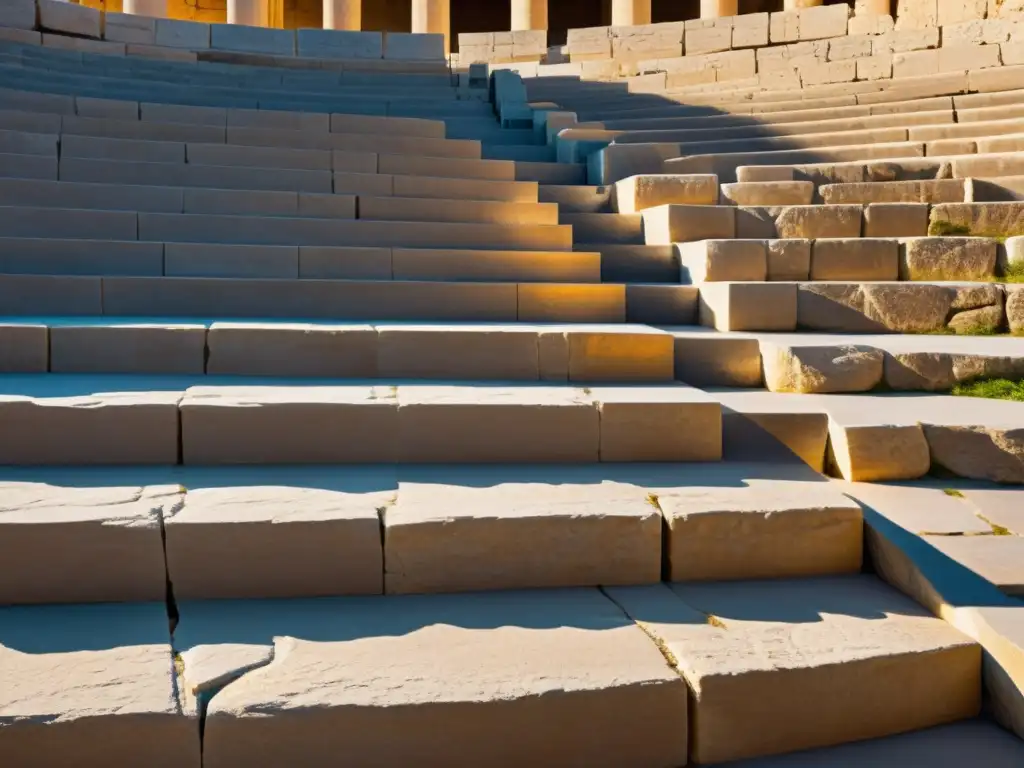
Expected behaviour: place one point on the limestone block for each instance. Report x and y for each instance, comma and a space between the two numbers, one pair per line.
850, 47
953, 11
54, 423
823, 21
18, 14
978, 30
874, 307
402, 46
866, 635
524, 424
766, 530
288, 425
129, 28
832, 72
896, 220
70, 19
339, 44
710, 359
661, 303
473, 528
95, 688
617, 356
667, 224
638, 193
748, 173
784, 27
490, 266
319, 350
750, 30
769, 193
816, 221
909, 191
469, 211
917, 13
457, 352
659, 424
874, 453
1015, 308
948, 258
723, 260
709, 40
978, 452
870, 24
861, 258
464, 647
571, 303
789, 260
237, 37
285, 533
67, 544
820, 369
34, 294
984, 320
227, 260
24, 348
125, 347
997, 559
878, 67
173, 33
749, 306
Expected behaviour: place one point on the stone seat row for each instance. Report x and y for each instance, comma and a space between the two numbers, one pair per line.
52, 419
437, 351
588, 655
319, 531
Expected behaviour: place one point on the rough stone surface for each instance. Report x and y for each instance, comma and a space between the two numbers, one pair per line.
866, 307
1015, 308
821, 369
91, 686
774, 652
947, 258
860, 258
566, 667
637, 193
989, 451
789, 260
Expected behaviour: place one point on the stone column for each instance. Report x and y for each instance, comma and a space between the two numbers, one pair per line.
432, 16
626, 13
343, 14
529, 14
251, 13
795, 5
154, 8
716, 9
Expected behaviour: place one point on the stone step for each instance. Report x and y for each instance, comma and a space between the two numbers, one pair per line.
551, 173
472, 352
407, 209
930, 191
41, 256
65, 223
635, 194
577, 198
221, 422
768, 193
519, 152
638, 263
589, 228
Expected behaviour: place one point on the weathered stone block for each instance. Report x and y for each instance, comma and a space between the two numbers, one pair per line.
820, 369
861, 258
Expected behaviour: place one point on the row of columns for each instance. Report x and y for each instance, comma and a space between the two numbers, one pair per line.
435, 15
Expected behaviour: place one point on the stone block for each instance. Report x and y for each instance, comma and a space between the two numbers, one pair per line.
768, 529
723, 261
789, 260
830, 72
571, 303
599, 355
980, 452
228, 260
878, 67
129, 28
67, 544
784, 27
661, 304
237, 37
67, 698
815, 221
749, 306
283, 533
524, 424
997, 559
674, 223
820, 369
939, 259
18, 14
402, 46
123, 347
726, 659
474, 353
768, 193
861, 258
750, 30
288, 425
823, 21
659, 424
74, 258
709, 40
849, 47
896, 220
637, 193
339, 44
24, 348
69, 19
174, 33
476, 529
314, 350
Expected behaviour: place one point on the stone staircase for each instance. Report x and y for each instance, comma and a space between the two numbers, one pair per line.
340, 423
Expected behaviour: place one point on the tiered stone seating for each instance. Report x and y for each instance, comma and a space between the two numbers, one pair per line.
330, 436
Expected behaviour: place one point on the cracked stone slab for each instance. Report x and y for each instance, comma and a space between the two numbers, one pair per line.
723, 528
288, 423
972, 742
54, 419
497, 424
776, 652
456, 529
91, 686
919, 509
564, 670
65, 542
244, 532
1001, 506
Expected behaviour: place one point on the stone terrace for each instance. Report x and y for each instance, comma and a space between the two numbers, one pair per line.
356, 411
